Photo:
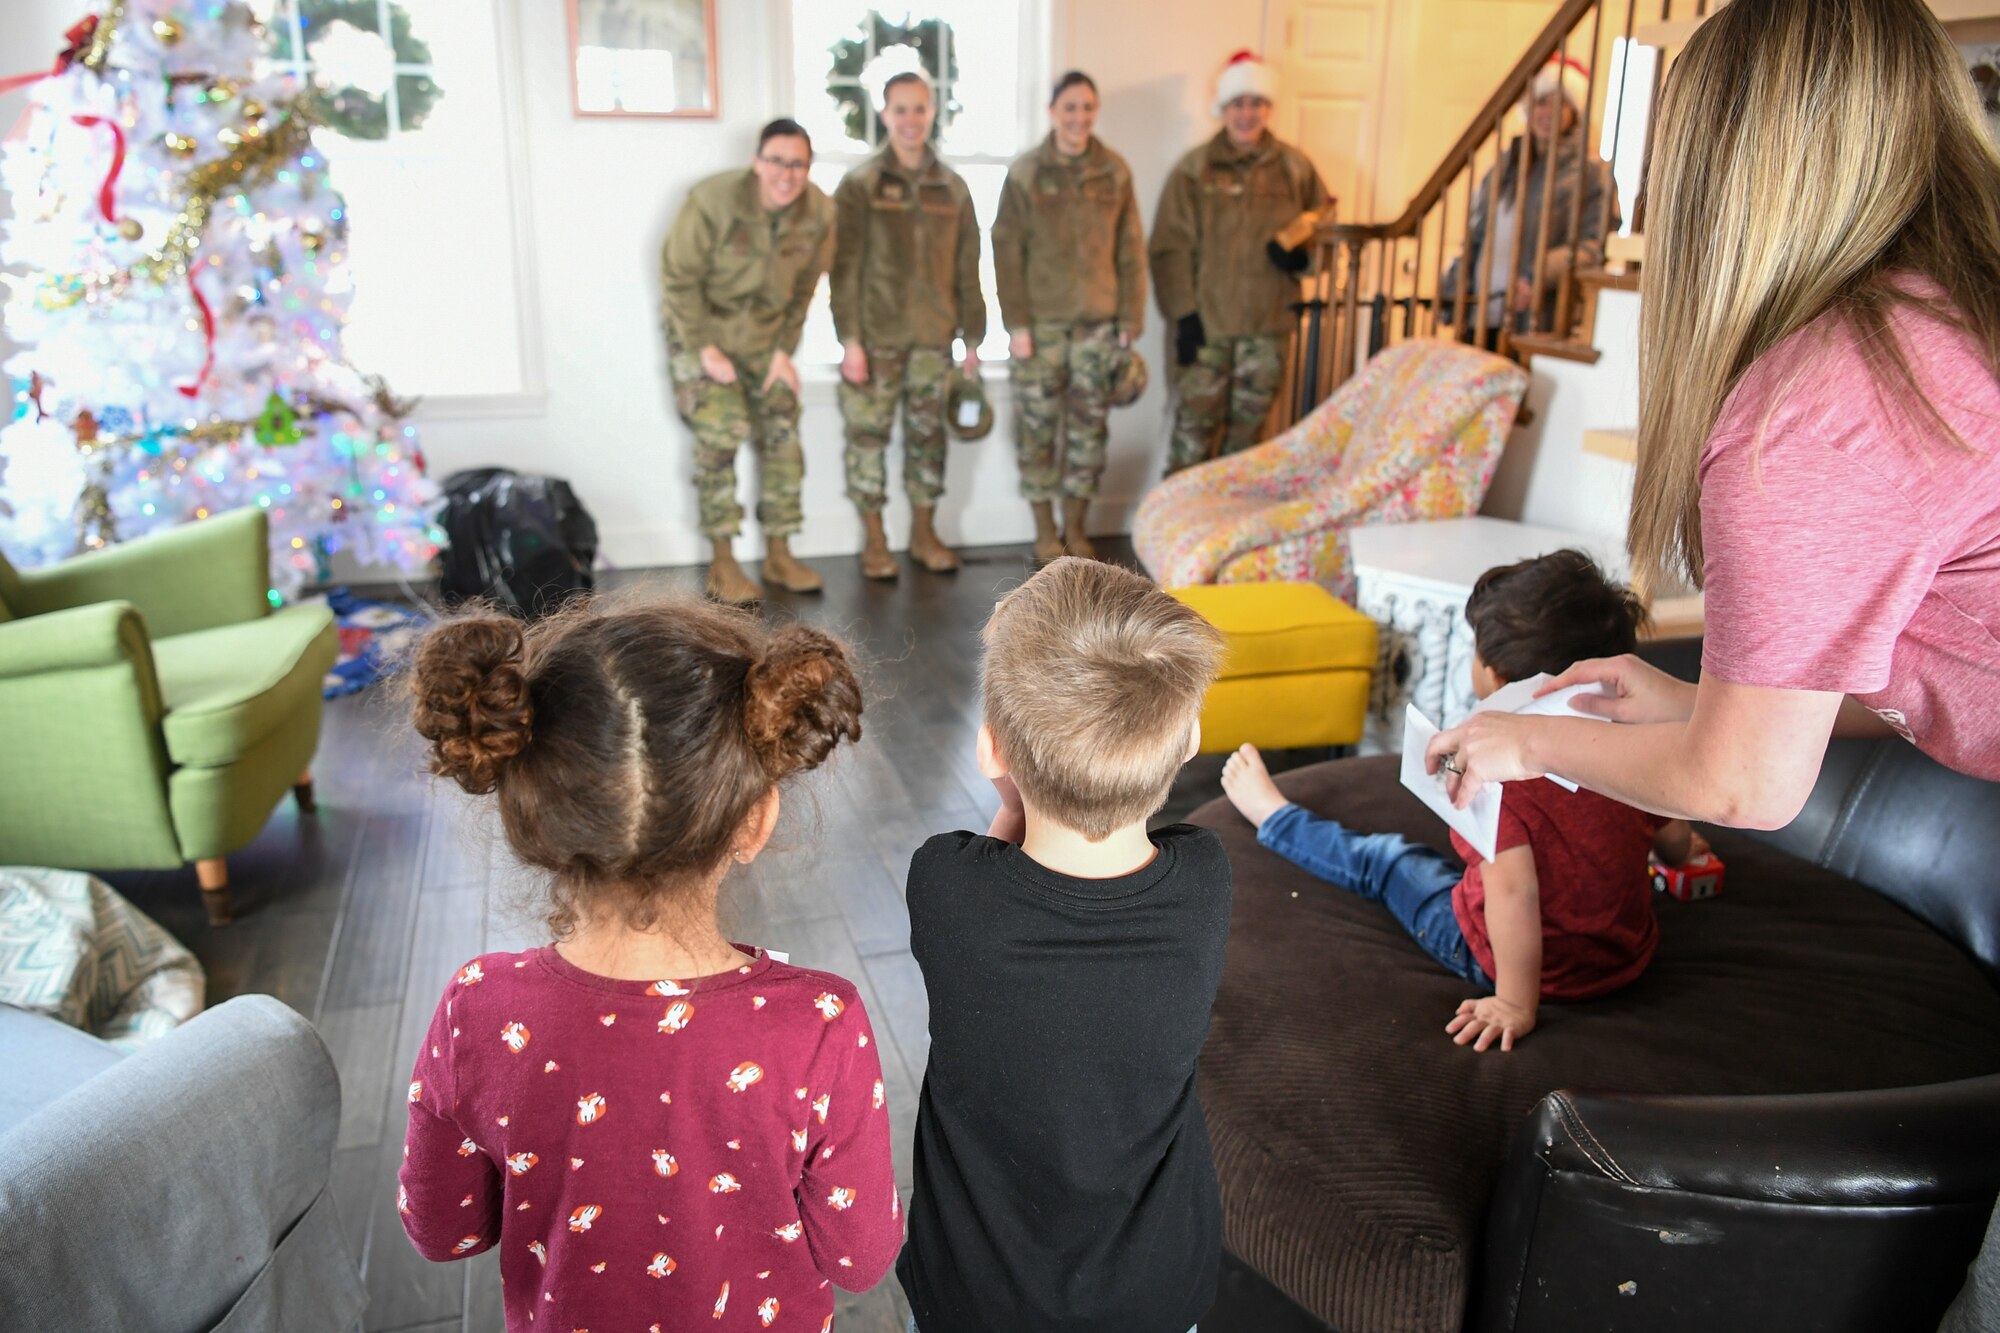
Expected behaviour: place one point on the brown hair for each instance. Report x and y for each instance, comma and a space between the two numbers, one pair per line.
1807, 153
1093, 680
1547, 613
628, 738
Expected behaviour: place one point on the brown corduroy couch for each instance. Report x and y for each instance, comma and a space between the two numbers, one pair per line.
1359, 1150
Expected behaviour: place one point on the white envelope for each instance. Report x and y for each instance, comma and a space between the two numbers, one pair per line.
1479, 822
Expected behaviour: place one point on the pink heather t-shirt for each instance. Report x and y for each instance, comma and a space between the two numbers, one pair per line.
1854, 547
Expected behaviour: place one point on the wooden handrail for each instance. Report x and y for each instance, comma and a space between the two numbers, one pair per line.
1488, 119
1370, 294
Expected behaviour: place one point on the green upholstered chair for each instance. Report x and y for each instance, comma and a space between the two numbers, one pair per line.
154, 709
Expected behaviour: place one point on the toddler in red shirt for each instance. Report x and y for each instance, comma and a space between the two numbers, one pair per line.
653, 1125
1564, 911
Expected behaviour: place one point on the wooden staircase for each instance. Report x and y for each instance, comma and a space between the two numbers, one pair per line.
1380, 283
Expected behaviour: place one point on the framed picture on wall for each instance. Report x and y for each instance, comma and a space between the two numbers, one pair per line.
642, 57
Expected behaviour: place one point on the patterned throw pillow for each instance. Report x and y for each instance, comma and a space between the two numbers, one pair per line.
71, 948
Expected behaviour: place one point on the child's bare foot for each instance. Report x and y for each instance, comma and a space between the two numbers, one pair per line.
1247, 784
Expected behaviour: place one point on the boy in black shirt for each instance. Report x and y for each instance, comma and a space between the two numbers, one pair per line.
1063, 1177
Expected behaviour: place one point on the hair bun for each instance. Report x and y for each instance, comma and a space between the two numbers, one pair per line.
802, 699
472, 698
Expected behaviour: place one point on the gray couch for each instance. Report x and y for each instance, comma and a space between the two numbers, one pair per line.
181, 1187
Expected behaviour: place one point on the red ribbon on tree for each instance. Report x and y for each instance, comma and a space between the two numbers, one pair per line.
208, 337
78, 38
107, 194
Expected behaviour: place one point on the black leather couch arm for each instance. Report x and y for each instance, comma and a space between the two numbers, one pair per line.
1839, 1211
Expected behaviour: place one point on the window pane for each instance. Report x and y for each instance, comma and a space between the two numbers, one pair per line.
407, 33
415, 96
985, 39
316, 15
984, 181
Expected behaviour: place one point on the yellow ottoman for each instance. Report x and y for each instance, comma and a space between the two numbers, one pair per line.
1296, 673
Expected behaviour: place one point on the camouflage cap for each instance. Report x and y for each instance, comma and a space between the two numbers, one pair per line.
1128, 377
967, 412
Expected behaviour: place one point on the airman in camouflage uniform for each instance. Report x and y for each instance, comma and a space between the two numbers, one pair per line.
736, 278
1225, 285
1069, 261
905, 283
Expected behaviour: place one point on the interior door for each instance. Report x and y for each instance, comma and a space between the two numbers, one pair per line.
1335, 68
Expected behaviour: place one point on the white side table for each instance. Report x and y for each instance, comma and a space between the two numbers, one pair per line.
1412, 579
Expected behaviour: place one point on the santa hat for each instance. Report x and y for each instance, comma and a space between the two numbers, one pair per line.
1567, 78
1244, 76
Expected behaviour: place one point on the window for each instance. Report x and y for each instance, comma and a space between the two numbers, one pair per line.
410, 93
989, 68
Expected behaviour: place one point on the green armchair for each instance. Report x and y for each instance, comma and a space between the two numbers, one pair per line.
153, 707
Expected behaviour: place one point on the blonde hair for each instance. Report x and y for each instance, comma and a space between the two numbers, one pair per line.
1093, 681
1807, 152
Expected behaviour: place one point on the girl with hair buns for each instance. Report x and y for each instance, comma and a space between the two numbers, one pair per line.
645, 1119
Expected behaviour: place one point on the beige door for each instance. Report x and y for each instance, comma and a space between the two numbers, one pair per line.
1335, 69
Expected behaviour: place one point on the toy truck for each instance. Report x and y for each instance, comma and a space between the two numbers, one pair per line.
1699, 878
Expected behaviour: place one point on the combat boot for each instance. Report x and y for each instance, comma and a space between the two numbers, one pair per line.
876, 561
926, 548
786, 570
1075, 540
726, 580
1048, 542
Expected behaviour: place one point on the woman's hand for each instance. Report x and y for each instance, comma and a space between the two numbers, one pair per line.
1639, 691
717, 366
1021, 345
854, 365
971, 362
1486, 747
782, 372
1524, 295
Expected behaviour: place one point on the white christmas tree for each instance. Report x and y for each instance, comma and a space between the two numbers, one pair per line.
179, 288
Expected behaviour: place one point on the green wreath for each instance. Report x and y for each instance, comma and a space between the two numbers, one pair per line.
930, 37
349, 111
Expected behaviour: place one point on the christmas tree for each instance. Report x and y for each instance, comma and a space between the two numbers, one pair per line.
179, 289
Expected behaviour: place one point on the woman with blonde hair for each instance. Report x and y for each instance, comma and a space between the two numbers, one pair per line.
1819, 426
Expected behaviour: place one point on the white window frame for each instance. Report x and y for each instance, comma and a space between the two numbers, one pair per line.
531, 398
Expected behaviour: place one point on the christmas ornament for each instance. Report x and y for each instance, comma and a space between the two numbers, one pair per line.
168, 30
179, 145
279, 424
131, 229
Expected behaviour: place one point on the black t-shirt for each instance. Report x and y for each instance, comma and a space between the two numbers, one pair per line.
1063, 1176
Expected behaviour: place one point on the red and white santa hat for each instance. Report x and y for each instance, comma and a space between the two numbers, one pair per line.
1244, 76
1566, 77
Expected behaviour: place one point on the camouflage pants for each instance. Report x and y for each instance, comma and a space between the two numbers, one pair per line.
1066, 384
723, 418
1227, 391
915, 377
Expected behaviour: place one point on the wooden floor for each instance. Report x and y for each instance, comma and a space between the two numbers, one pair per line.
357, 916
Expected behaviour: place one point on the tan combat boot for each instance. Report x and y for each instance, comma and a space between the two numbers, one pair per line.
1048, 542
786, 570
1075, 540
726, 580
925, 546
876, 561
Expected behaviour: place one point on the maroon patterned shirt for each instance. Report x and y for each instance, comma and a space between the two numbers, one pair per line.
644, 1153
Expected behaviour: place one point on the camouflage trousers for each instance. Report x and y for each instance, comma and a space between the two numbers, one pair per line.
723, 418
1064, 388
915, 377
1227, 392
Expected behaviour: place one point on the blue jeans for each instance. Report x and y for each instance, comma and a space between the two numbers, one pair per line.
1412, 881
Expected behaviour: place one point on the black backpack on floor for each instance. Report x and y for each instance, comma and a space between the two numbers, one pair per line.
526, 543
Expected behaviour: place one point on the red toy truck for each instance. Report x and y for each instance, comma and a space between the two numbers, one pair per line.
1699, 878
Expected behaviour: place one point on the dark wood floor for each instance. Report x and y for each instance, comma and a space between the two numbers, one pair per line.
357, 916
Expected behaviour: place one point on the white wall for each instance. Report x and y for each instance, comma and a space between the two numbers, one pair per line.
603, 192
1545, 477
